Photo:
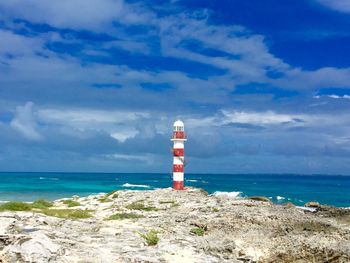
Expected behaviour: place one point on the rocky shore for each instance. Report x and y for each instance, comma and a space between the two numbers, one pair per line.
172, 226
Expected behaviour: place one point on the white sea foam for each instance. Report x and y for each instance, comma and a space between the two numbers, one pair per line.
192, 180
48, 178
229, 194
311, 209
280, 197
136, 185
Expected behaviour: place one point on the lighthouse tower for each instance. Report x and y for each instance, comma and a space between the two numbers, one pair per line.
179, 157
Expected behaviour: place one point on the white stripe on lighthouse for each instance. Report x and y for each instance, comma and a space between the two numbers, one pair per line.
177, 176
179, 145
178, 160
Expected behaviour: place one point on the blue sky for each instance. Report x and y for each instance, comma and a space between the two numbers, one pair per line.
262, 86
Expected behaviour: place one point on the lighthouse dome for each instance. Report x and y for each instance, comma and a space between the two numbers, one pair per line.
178, 123
179, 126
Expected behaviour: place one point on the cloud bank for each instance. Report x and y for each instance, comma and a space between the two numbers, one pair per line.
96, 87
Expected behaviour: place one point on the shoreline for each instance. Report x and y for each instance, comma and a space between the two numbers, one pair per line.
234, 195
164, 225
282, 188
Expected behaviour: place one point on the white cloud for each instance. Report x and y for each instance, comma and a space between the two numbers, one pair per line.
250, 56
25, 123
260, 118
338, 5
130, 157
120, 125
298, 79
333, 96
94, 15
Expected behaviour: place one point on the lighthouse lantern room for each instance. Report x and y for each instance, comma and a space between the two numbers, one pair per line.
178, 155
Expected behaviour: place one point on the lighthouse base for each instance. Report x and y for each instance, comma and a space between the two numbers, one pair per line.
178, 185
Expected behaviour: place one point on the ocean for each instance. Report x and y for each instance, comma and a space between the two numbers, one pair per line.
281, 188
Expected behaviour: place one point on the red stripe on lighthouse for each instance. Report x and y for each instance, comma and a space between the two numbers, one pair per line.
178, 168
178, 185
179, 152
179, 135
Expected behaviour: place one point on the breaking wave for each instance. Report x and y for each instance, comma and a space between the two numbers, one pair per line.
192, 180
48, 178
136, 185
280, 197
229, 194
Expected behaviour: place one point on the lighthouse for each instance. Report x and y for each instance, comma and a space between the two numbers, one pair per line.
179, 139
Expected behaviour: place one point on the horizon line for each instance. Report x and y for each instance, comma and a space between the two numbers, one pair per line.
190, 173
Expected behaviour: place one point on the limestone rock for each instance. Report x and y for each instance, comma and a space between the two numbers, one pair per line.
36, 248
313, 204
235, 230
259, 198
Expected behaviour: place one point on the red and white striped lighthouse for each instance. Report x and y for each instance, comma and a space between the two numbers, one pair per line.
179, 155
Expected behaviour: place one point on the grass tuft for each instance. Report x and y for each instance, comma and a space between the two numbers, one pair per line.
198, 231
15, 206
141, 206
151, 237
68, 213
121, 216
71, 203
41, 204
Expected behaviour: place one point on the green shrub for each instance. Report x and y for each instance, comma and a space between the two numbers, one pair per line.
15, 206
197, 231
121, 216
41, 204
68, 213
71, 203
151, 237
140, 206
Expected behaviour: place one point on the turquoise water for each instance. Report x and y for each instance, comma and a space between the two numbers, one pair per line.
332, 190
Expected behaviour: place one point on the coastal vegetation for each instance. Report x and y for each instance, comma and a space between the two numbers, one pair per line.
151, 238
15, 206
68, 213
121, 216
139, 205
71, 203
198, 231
41, 204
22, 206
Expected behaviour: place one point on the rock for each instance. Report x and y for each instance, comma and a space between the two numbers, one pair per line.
36, 248
313, 204
6, 223
75, 197
259, 198
242, 231
289, 205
